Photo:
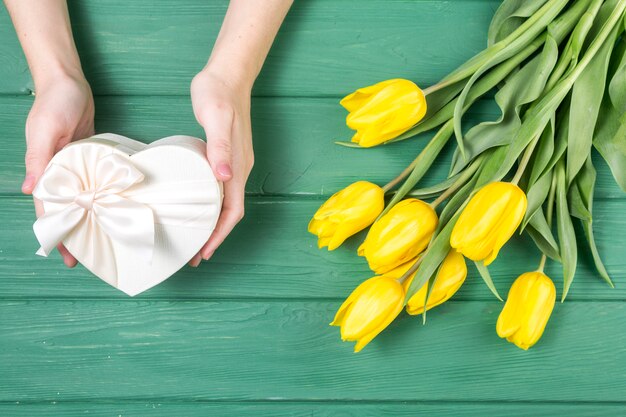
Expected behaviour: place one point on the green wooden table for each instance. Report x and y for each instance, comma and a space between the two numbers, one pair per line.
247, 333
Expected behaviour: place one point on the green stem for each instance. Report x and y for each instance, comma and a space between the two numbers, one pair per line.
525, 160
550, 211
465, 176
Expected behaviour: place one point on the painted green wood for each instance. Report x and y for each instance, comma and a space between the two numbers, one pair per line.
293, 138
276, 408
238, 350
271, 255
325, 47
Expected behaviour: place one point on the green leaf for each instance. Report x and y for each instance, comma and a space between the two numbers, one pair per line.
521, 88
486, 276
441, 103
597, 260
505, 49
617, 86
585, 184
567, 237
510, 16
587, 94
540, 233
424, 161
611, 126
543, 154
349, 144
434, 190
541, 112
536, 195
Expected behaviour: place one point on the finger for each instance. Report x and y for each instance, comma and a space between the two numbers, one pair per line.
195, 261
232, 213
218, 126
68, 258
38, 154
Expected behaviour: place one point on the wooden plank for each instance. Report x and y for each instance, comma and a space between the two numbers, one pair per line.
308, 409
270, 254
293, 137
236, 350
325, 47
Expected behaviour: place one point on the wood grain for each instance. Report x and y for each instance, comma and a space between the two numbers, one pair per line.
325, 47
271, 255
78, 350
293, 139
277, 408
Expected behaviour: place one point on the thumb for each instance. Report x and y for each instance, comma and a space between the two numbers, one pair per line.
218, 128
38, 154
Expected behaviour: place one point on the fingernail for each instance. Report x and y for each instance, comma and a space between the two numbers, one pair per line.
28, 184
224, 170
207, 255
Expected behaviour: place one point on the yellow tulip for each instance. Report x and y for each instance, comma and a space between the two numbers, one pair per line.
346, 213
449, 279
399, 236
370, 308
489, 221
527, 309
383, 111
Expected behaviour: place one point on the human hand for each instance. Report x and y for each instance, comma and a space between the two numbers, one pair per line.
62, 112
222, 107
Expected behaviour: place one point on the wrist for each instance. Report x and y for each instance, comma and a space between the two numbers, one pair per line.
53, 72
233, 76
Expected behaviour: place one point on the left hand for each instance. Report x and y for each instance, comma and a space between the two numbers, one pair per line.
222, 107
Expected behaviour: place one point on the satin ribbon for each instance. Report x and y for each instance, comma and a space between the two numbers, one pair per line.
90, 202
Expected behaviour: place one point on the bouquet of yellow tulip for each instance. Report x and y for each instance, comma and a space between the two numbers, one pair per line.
560, 67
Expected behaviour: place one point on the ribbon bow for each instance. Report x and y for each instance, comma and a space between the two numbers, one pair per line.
92, 204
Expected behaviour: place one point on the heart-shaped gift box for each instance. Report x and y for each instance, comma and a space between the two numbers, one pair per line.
131, 213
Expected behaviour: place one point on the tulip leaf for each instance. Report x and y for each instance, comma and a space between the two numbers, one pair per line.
440, 110
521, 88
587, 94
543, 109
491, 165
617, 85
584, 186
543, 153
597, 260
509, 16
434, 190
536, 196
348, 144
457, 200
486, 276
541, 233
526, 33
567, 237
434, 255
424, 161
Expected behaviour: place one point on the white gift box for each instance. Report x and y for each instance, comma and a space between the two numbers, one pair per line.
131, 213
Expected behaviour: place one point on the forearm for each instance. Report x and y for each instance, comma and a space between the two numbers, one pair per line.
43, 28
245, 38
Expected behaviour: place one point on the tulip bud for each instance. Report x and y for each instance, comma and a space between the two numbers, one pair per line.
370, 308
347, 212
488, 221
399, 236
383, 111
527, 309
449, 279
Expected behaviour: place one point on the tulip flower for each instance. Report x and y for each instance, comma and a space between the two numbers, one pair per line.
449, 279
527, 309
370, 308
347, 212
399, 236
383, 111
488, 221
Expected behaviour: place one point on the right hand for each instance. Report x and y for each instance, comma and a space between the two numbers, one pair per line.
63, 111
